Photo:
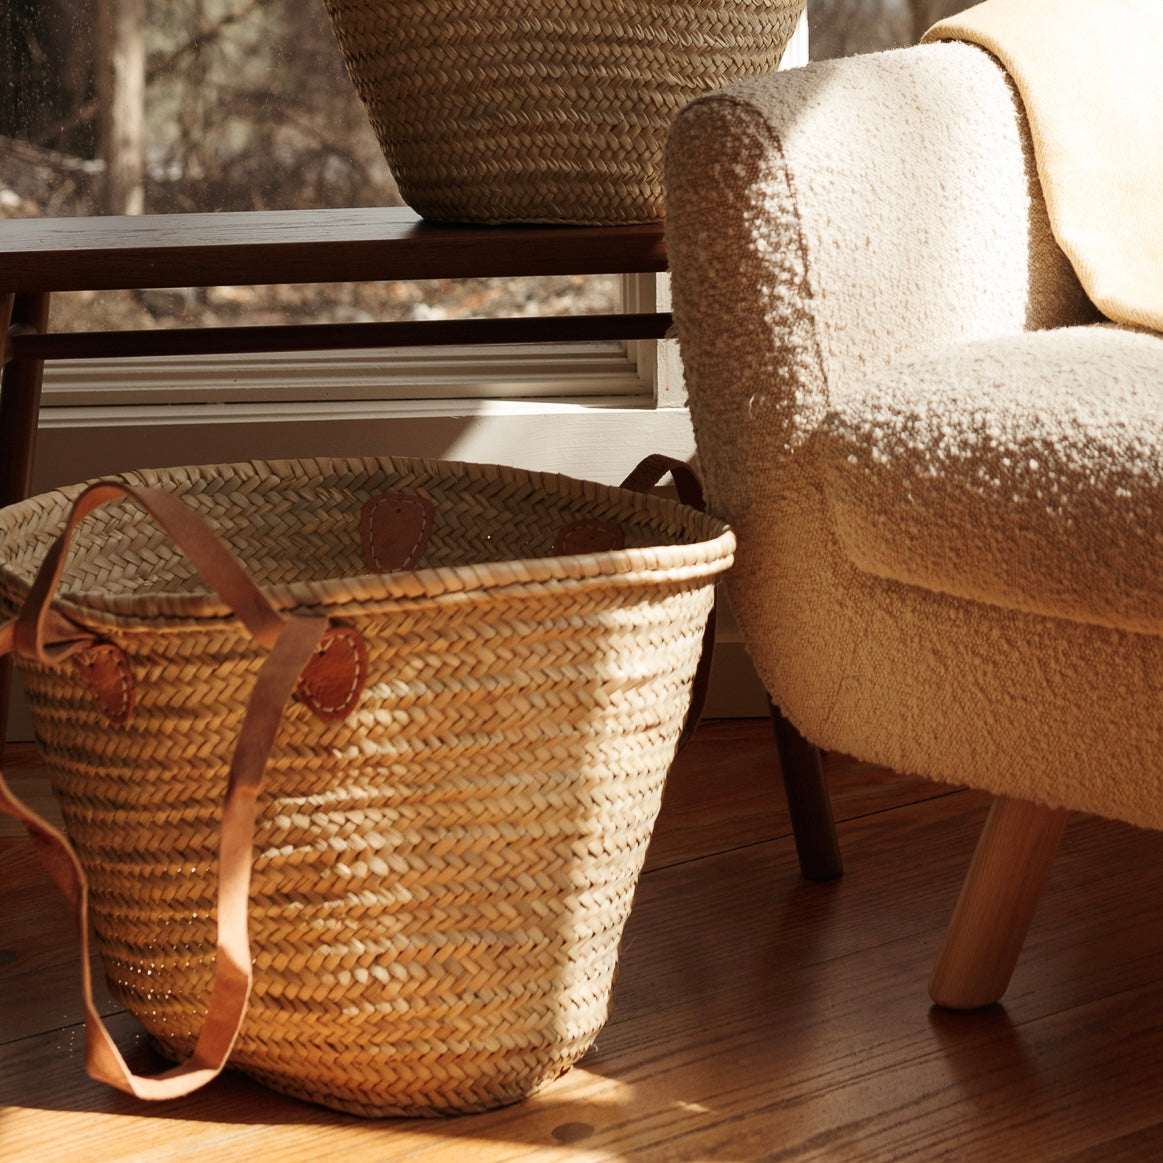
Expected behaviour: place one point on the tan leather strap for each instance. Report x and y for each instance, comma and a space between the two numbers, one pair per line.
38, 622
651, 469
643, 477
42, 634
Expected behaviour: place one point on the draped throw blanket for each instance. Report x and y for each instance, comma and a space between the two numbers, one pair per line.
1090, 73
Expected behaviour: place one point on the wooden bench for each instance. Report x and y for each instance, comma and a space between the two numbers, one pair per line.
41, 256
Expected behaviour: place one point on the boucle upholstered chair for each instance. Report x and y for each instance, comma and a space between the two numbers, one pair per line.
946, 476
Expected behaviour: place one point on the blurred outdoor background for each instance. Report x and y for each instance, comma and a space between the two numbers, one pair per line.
245, 105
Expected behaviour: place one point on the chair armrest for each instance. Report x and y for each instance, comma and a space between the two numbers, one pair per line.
825, 221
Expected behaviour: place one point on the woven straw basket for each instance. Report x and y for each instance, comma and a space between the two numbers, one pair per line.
526, 111
458, 689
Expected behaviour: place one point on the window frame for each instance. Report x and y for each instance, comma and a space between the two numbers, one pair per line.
641, 373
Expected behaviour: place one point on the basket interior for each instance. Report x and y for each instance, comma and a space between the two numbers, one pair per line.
294, 522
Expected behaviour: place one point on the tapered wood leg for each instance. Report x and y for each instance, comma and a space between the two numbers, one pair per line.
808, 802
997, 902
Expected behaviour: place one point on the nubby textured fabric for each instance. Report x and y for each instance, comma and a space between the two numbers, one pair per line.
874, 316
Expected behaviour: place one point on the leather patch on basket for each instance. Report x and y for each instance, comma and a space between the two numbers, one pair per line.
106, 672
395, 529
589, 536
333, 680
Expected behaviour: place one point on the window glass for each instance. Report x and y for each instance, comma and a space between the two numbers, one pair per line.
839, 28
245, 105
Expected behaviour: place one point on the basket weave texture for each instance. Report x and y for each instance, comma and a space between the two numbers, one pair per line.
523, 111
441, 876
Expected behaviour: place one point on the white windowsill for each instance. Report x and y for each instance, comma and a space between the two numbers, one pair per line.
504, 371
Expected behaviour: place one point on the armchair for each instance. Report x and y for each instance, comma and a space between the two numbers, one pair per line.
944, 471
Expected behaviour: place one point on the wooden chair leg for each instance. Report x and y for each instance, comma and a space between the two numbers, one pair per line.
997, 902
808, 802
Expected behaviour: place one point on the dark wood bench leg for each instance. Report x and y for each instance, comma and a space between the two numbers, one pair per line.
19, 415
808, 802
19, 396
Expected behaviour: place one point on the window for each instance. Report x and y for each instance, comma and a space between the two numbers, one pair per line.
224, 122
844, 27
209, 113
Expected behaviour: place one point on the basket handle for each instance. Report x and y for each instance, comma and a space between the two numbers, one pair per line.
651, 469
37, 622
643, 477
43, 634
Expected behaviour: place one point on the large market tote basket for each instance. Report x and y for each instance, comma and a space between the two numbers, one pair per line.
357, 785
528, 111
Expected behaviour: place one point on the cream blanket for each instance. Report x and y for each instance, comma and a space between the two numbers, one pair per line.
1090, 73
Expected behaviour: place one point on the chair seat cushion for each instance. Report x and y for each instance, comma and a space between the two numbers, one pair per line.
1024, 471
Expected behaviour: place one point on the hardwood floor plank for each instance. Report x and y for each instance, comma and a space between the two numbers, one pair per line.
1134, 1147
756, 1016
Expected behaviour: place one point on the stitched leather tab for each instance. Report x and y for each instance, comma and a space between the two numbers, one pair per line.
333, 680
109, 677
395, 529
589, 536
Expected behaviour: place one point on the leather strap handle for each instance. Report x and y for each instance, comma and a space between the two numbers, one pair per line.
37, 622
40, 633
651, 469
643, 477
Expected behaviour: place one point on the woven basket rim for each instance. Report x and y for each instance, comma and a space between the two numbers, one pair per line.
711, 554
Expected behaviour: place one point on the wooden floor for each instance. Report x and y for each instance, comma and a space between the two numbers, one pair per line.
757, 1017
